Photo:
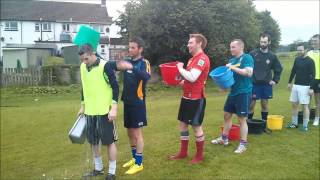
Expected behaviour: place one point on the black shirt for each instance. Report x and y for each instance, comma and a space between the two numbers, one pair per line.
264, 64
303, 71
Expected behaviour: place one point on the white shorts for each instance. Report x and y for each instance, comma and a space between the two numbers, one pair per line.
300, 94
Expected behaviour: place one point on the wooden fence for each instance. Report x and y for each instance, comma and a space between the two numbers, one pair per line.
25, 77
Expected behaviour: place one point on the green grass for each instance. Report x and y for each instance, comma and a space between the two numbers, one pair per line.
35, 145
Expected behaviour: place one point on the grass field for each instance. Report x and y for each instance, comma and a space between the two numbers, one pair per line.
35, 145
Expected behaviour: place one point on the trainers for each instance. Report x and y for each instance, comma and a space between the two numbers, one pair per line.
110, 177
94, 173
304, 129
240, 149
316, 122
134, 169
292, 126
129, 163
219, 140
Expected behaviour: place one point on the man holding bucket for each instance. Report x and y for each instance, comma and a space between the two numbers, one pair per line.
99, 100
264, 63
238, 100
193, 101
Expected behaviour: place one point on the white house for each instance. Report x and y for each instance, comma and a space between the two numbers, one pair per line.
36, 22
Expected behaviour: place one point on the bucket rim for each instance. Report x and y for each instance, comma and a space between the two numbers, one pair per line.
216, 75
167, 64
275, 116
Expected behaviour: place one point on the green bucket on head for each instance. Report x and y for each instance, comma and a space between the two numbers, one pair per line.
87, 35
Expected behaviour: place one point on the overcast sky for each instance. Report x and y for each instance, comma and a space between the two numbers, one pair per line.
298, 19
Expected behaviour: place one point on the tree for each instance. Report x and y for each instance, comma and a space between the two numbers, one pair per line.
166, 25
270, 26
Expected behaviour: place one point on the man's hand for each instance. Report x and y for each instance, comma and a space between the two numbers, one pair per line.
81, 110
272, 83
311, 92
289, 86
179, 65
181, 83
112, 115
230, 66
124, 65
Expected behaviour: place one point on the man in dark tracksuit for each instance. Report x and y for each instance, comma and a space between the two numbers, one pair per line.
134, 100
263, 78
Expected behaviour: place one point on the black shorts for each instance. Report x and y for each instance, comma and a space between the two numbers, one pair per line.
238, 104
192, 111
134, 116
98, 129
316, 86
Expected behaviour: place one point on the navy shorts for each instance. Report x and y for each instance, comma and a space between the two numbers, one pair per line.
134, 116
238, 104
261, 91
192, 111
99, 128
316, 86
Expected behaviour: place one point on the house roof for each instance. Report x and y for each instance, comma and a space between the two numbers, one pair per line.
31, 10
32, 46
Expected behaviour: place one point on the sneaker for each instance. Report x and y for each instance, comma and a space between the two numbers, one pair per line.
316, 122
240, 149
304, 129
134, 169
129, 163
292, 126
110, 177
219, 140
94, 173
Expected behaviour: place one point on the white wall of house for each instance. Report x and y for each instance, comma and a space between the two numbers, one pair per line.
27, 33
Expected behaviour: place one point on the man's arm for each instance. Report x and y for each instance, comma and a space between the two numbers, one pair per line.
112, 81
247, 65
144, 72
247, 71
277, 69
293, 72
191, 75
115, 91
81, 110
312, 73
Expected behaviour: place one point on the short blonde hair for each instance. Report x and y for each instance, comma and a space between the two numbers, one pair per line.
200, 38
239, 42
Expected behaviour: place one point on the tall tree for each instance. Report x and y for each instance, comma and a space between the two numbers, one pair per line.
166, 25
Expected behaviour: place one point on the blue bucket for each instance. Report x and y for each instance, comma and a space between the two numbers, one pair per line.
223, 76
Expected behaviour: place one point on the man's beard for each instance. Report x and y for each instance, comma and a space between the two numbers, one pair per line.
264, 47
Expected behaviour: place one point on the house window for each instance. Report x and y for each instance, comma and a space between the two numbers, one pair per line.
11, 26
102, 49
101, 29
107, 30
96, 27
75, 28
37, 27
66, 27
46, 26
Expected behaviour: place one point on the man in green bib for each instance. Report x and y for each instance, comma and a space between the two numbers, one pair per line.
99, 101
315, 56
